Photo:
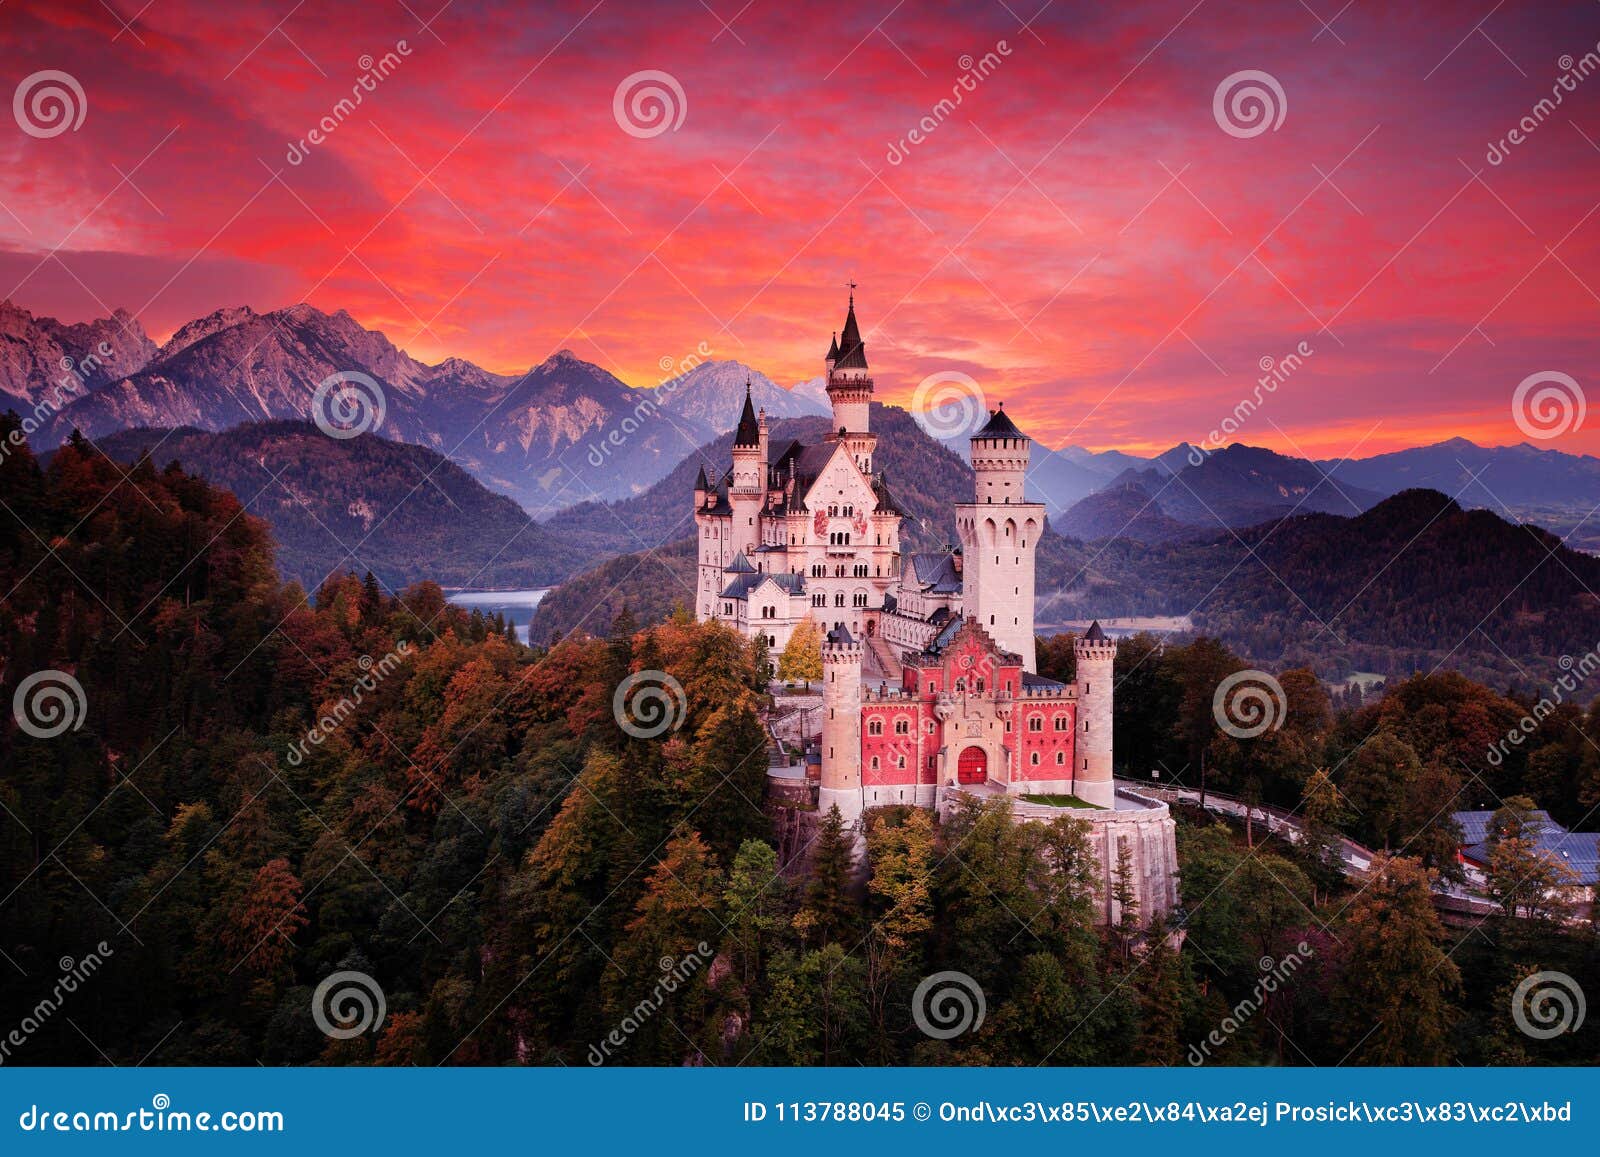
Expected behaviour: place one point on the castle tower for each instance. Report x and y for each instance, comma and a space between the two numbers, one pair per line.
748, 494
999, 535
849, 383
1096, 655
841, 725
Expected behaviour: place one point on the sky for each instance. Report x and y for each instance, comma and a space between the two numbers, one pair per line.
1095, 234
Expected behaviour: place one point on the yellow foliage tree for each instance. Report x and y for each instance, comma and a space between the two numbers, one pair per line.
801, 660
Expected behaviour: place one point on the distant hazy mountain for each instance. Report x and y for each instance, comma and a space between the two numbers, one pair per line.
1122, 511
1479, 475
1243, 486
39, 356
712, 395
363, 503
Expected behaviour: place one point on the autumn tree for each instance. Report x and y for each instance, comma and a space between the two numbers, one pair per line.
1525, 879
1394, 998
801, 660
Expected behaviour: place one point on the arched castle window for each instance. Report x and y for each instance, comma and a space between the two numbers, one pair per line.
1033, 759
902, 727
1061, 723
1036, 723
1061, 758
875, 727
874, 763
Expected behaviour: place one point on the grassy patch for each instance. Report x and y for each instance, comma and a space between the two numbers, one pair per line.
1061, 801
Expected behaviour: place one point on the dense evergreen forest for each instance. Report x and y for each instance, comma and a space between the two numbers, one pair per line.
267, 787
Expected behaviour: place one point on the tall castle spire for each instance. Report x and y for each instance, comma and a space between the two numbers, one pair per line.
849, 384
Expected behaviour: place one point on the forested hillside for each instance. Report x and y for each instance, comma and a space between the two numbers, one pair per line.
401, 511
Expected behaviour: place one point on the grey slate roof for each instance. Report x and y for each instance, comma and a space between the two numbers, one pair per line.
1579, 851
1000, 426
741, 587
936, 573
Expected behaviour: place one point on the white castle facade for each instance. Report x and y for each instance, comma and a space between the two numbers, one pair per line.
930, 686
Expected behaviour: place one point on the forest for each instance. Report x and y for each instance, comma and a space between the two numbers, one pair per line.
265, 787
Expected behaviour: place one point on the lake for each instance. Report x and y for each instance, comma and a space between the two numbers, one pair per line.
518, 606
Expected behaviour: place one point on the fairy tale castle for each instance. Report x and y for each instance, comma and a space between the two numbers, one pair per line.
929, 684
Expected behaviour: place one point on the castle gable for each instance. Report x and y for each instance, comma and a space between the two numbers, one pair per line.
840, 483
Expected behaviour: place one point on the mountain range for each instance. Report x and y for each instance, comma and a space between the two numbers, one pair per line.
564, 432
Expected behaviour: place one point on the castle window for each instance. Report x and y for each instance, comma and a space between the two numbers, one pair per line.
874, 763
1085, 726
1033, 759
1061, 758
900, 762
1036, 723
1061, 723
902, 727
980, 684
875, 727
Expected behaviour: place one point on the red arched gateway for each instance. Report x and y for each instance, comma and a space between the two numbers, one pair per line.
973, 766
